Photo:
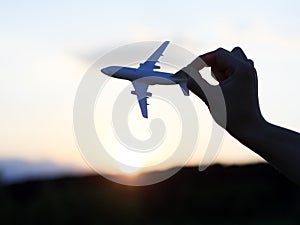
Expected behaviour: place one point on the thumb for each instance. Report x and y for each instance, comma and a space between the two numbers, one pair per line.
195, 88
197, 84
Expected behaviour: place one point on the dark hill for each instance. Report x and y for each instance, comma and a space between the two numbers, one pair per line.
253, 194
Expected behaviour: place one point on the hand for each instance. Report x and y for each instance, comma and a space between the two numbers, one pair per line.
238, 83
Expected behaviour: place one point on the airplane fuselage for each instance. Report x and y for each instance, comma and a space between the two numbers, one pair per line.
151, 77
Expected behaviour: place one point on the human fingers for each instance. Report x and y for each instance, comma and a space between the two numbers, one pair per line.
222, 63
197, 90
219, 75
196, 83
250, 62
239, 53
220, 59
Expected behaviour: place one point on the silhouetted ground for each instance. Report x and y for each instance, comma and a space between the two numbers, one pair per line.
254, 194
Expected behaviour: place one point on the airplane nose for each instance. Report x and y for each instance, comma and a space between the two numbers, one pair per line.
105, 71
111, 70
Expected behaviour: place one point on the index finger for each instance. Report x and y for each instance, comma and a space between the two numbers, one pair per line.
220, 59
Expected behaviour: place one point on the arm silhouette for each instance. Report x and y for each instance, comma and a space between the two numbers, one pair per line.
237, 79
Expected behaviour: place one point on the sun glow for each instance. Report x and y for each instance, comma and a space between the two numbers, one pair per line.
128, 169
128, 163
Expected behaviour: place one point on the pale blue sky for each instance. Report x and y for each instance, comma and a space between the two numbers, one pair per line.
47, 46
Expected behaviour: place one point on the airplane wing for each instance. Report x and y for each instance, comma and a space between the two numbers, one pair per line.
141, 93
149, 64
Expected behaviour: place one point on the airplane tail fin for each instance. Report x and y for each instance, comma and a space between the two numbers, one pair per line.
184, 88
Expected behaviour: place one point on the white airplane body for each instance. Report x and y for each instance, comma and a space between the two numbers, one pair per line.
150, 76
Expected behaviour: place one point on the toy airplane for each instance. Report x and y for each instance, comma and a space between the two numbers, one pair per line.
150, 75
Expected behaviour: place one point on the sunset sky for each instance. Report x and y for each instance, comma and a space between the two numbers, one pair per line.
46, 48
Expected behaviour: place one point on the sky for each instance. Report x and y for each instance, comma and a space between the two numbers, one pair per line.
46, 48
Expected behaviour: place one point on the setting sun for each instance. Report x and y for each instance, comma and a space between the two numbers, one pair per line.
128, 162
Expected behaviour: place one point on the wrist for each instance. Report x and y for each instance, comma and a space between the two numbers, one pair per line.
249, 130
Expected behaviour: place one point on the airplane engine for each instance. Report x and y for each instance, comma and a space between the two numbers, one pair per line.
149, 94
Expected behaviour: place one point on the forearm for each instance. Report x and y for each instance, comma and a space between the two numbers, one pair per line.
277, 145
